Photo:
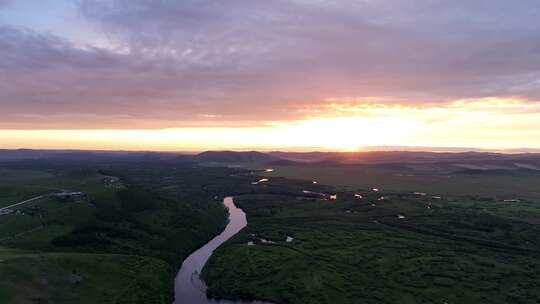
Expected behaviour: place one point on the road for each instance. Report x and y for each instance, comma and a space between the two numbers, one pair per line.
24, 202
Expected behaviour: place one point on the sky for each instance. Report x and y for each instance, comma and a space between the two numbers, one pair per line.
276, 74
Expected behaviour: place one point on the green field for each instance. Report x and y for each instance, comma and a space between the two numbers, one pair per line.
31, 277
505, 186
459, 250
21, 184
125, 239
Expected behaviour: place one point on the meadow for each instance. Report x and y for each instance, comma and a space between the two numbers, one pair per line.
395, 179
455, 241
406, 248
39, 277
122, 241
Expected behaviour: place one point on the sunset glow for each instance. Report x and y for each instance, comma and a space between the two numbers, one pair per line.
302, 75
269, 151
488, 124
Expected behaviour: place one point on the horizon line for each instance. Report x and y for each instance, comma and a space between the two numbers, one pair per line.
364, 149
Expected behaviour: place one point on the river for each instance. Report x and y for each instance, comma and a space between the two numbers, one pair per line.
188, 287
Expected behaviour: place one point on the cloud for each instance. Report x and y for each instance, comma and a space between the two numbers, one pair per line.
482, 123
170, 63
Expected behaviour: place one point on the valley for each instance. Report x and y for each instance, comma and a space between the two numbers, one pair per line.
117, 229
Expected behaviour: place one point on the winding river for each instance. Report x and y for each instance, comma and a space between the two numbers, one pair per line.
188, 286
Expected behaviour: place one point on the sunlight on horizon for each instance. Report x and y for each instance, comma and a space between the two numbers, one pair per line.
489, 123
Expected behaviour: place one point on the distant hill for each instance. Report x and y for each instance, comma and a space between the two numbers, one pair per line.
379, 157
81, 155
421, 162
234, 157
285, 162
24, 154
459, 162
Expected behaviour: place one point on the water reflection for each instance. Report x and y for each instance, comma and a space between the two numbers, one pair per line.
189, 288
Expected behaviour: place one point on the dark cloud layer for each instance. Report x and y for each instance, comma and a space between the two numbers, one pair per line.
235, 62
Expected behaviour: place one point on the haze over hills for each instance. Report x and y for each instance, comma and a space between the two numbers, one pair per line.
232, 157
458, 162
269, 152
131, 220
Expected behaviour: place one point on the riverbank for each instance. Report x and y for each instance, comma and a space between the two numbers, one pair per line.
161, 214
189, 287
406, 248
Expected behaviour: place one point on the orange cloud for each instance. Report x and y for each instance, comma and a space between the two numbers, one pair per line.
484, 123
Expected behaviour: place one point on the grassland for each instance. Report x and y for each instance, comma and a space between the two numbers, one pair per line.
361, 177
20, 184
37, 277
124, 240
406, 248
